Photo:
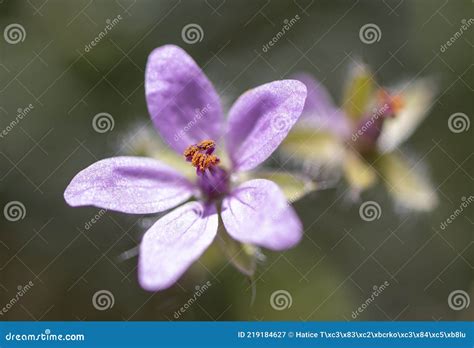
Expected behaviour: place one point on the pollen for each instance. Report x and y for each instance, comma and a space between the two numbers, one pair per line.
207, 145
200, 155
203, 161
190, 151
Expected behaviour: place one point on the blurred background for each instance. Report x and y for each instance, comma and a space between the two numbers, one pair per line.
52, 84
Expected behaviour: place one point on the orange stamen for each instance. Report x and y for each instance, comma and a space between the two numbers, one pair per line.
190, 151
200, 155
207, 145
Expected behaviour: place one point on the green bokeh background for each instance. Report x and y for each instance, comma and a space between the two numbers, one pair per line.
332, 271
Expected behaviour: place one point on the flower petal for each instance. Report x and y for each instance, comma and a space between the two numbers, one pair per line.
141, 140
418, 99
174, 242
319, 111
314, 149
182, 102
135, 185
293, 185
359, 174
258, 213
243, 256
260, 119
407, 185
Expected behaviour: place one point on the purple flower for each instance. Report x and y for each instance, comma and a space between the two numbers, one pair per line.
186, 111
360, 139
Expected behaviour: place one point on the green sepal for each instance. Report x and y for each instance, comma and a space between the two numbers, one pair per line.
359, 92
242, 256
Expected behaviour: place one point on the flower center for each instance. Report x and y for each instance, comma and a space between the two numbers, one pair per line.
370, 127
200, 155
212, 179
